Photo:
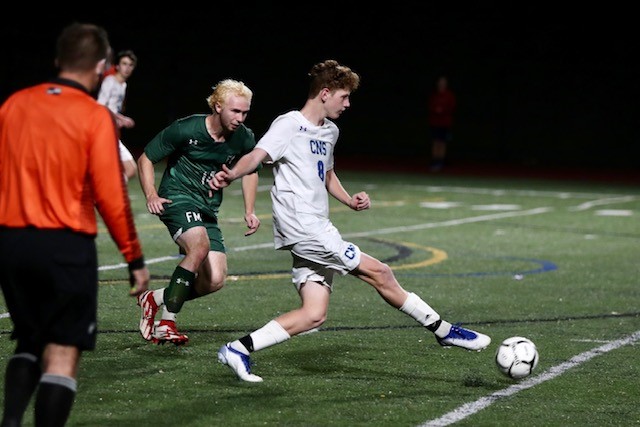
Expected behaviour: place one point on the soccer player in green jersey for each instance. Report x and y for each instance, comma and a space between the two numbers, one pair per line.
195, 148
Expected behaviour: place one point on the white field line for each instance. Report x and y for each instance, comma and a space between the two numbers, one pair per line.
471, 408
601, 202
512, 192
448, 223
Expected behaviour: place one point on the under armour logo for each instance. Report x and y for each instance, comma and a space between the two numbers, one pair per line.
303, 129
193, 141
180, 280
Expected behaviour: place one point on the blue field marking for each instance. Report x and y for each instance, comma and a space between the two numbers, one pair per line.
544, 267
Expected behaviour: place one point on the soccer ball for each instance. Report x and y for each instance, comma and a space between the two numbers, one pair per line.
517, 357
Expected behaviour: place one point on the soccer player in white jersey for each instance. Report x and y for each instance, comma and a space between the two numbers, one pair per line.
113, 90
301, 144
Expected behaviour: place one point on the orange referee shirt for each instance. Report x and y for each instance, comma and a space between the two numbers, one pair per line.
59, 161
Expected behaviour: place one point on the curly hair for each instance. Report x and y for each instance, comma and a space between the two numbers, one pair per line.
333, 76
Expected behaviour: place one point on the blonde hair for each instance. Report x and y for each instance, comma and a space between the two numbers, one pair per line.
226, 88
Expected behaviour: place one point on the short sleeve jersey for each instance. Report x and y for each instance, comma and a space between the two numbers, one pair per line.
302, 154
193, 157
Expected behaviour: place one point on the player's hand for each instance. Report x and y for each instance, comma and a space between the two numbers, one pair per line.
253, 223
155, 204
360, 201
221, 179
139, 280
123, 121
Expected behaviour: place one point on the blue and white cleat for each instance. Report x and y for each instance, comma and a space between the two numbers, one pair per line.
238, 362
465, 338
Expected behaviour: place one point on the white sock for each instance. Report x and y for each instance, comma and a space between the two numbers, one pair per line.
270, 334
415, 307
443, 329
158, 296
167, 315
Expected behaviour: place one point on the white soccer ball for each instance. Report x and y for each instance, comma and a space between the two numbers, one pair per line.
517, 357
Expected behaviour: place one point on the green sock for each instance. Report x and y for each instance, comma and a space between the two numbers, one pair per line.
179, 288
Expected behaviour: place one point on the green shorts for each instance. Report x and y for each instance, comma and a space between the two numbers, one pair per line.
181, 216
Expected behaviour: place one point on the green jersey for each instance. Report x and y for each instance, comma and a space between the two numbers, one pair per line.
193, 157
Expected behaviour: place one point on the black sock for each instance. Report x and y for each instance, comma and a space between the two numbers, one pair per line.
178, 290
247, 342
434, 326
54, 400
21, 378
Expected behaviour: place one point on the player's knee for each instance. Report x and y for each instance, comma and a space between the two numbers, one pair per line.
215, 286
216, 281
315, 318
382, 275
199, 253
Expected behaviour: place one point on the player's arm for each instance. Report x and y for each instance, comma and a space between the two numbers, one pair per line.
249, 191
146, 176
247, 164
358, 202
112, 200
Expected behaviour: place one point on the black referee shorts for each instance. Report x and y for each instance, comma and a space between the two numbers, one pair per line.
50, 283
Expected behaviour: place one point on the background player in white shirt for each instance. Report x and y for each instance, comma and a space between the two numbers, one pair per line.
301, 144
112, 94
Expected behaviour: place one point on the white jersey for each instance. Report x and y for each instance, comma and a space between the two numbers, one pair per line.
112, 93
302, 153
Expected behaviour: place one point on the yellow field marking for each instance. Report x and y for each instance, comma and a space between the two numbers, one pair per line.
438, 256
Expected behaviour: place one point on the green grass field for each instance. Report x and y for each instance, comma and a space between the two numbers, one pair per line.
555, 261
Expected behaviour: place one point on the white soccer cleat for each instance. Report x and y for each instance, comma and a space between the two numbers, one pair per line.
465, 338
238, 362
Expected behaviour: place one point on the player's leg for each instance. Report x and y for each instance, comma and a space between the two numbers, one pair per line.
184, 222
129, 164
314, 287
23, 371
58, 384
212, 273
381, 277
72, 319
22, 375
63, 291
438, 147
194, 243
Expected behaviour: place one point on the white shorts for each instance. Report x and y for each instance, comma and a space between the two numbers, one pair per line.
319, 259
125, 154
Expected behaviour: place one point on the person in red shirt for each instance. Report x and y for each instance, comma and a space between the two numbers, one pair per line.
442, 104
59, 163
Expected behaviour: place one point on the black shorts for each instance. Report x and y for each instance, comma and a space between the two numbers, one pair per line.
50, 283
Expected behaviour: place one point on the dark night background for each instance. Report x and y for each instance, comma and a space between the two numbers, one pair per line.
537, 86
